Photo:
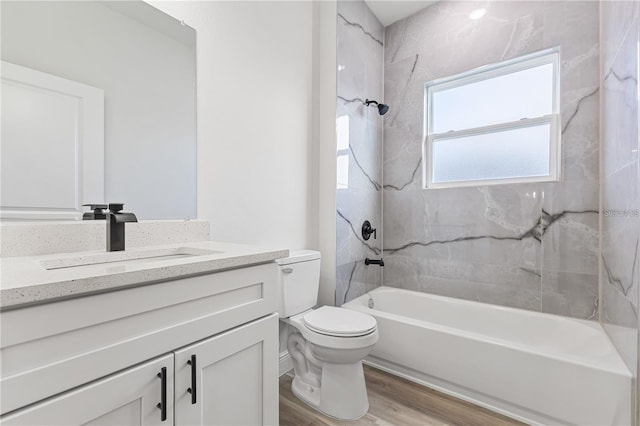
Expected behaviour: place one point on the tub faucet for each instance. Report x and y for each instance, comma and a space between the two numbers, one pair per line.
115, 226
368, 261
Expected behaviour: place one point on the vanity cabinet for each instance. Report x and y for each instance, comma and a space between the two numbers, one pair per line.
228, 379
96, 359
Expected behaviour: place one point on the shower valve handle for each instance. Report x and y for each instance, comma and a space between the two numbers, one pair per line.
367, 230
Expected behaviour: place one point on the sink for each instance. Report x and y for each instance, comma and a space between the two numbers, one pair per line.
124, 257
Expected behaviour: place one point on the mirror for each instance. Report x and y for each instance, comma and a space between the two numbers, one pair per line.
98, 105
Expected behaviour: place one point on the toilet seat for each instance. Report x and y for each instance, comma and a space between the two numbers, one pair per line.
339, 322
330, 341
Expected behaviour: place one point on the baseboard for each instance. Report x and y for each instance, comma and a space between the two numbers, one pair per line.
285, 364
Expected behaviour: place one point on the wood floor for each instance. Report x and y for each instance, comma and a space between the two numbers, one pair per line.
393, 401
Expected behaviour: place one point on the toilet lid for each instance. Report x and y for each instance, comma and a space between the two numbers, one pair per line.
339, 322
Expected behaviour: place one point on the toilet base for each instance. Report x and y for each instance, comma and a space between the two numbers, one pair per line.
342, 393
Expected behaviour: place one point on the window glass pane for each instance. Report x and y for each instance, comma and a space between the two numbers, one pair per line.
342, 132
342, 166
522, 94
512, 153
342, 169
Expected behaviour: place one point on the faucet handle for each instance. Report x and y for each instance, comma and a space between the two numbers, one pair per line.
367, 230
97, 213
115, 207
96, 206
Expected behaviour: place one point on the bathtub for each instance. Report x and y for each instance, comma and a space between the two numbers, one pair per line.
534, 367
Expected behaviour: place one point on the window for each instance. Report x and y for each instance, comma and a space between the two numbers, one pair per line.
342, 154
495, 124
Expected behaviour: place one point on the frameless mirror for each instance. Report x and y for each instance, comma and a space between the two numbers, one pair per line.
98, 105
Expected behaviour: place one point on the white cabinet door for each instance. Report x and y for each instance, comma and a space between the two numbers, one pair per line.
231, 378
127, 398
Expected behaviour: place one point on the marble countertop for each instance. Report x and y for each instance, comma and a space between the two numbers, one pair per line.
26, 280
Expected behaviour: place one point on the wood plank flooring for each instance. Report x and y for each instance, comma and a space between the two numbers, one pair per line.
393, 401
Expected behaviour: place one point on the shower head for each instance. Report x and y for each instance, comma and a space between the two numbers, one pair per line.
382, 108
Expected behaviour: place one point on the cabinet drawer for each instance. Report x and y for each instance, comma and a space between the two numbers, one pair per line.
127, 398
50, 348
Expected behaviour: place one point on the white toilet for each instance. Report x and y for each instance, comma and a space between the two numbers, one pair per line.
328, 347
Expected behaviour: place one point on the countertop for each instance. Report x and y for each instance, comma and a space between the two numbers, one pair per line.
25, 281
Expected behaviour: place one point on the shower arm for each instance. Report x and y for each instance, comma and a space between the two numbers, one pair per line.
382, 108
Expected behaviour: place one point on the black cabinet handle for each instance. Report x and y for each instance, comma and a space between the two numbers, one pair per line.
163, 404
192, 389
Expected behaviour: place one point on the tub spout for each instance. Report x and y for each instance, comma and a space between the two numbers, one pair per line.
368, 261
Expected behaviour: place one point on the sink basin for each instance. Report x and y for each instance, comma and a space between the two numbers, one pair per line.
124, 257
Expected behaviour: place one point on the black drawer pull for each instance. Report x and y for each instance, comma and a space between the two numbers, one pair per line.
163, 405
192, 389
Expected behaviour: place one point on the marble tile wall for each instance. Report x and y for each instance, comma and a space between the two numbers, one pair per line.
620, 201
531, 246
359, 198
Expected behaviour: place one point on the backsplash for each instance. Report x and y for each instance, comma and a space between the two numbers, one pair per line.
531, 246
40, 238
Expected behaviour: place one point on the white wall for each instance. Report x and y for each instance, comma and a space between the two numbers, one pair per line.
257, 175
266, 124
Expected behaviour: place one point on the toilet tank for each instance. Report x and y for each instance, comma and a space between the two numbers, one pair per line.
298, 282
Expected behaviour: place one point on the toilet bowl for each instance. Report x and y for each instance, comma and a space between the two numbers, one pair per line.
328, 344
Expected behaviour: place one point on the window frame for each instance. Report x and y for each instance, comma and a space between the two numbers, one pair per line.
521, 63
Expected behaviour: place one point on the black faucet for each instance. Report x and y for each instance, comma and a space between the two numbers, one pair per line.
115, 226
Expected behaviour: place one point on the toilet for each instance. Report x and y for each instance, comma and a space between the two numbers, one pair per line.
329, 343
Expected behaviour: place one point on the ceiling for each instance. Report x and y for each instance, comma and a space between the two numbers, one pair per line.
390, 11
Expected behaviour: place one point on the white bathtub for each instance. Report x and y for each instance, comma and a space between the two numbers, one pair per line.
538, 368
